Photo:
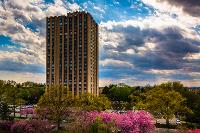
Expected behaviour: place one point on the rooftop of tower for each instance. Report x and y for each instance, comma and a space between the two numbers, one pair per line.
70, 14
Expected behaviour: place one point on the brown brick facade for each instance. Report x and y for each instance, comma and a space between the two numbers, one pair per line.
72, 52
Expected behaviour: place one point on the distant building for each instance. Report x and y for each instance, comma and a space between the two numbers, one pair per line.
72, 52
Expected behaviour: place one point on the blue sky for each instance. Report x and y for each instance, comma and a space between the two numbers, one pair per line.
141, 41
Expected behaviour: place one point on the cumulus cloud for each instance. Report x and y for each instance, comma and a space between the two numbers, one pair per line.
158, 50
191, 7
10, 65
115, 63
135, 81
99, 9
22, 76
185, 12
19, 57
195, 56
15, 18
160, 46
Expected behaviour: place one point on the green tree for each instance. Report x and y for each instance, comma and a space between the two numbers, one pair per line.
119, 95
89, 102
136, 97
118, 92
2, 87
31, 92
192, 99
11, 95
164, 102
106, 89
54, 105
4, 110
193, 102
177, 86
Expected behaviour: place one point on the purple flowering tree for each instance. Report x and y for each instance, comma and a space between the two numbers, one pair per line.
31, 126
28, 111
129, 122
54, 105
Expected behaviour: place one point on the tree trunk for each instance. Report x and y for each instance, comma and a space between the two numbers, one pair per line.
58, 125
14, 111
167, 122
20, 111
14, 105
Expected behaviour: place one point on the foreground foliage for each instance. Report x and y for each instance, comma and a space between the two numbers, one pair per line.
137, 122
27, 126
56, 105
31, 126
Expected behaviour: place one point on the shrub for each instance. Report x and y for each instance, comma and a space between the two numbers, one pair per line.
193, 125
28, 111
139, 121
18, 127
194, 131
31, 126
6, 124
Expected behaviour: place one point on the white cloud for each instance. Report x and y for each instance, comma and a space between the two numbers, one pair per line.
111, 38
164, 7
22, 76
135, 82
163, 72
99, 9
20, 57
19, 12
14, 15
130, 51
131, 81
118, 63
159, 22
192, 83
194, 56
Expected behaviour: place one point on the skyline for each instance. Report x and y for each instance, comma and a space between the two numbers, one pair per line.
141, 42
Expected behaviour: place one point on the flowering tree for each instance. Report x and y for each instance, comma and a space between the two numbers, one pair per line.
54, 105
31, 126
28, 111
130, 122
194, 131
5, 124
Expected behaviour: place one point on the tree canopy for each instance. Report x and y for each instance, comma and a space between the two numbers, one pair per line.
163, 102
118, 92
90, 103
54, 105
27, 92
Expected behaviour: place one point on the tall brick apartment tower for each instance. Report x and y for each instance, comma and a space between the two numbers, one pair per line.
72, 52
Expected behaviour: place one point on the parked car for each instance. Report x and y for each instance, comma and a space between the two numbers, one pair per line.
178, 121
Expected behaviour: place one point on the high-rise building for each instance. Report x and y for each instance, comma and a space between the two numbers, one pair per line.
72, 52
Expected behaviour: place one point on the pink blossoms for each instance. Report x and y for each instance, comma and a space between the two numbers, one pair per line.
129, 122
